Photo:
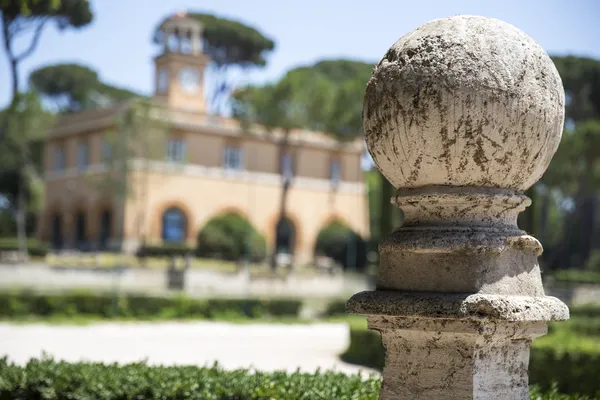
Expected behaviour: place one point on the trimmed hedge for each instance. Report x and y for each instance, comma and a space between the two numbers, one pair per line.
336, 308
80, 303
231, 237
48, 379
34, 247
577, 276
565, 359
165, 250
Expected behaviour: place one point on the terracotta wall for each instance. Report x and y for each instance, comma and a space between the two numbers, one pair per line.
201, 198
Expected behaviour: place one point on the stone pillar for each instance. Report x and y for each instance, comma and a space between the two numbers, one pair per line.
196, 39
461, 115
167, 32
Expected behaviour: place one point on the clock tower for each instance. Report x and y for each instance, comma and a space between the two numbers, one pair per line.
179, 77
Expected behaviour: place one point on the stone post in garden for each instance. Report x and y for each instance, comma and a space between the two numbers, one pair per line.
462, 115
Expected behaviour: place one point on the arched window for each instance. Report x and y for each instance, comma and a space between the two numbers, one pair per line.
174, 225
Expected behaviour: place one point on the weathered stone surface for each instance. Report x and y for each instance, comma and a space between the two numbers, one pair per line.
460, 240
455, 359
461, 115
464, 101
458, 306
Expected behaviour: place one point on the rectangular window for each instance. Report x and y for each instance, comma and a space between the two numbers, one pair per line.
106, 149
176, 150
335, 171
233, 158
83, 154
59, 159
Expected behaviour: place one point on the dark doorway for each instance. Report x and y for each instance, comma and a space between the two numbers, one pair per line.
80, 240
105, 229
285, 237
57, 234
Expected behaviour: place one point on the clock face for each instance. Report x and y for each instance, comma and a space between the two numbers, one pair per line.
189, 80
163, 80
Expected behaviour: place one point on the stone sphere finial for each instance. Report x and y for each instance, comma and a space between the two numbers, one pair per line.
464, 101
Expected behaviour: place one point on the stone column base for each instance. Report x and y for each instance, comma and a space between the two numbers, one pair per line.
455, 359
453, 346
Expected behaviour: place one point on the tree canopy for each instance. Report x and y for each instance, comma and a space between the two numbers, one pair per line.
326, 96
21, 154
74, 87
566, 199
581, 79
20, 17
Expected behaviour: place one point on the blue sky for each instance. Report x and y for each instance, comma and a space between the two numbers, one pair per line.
118, 43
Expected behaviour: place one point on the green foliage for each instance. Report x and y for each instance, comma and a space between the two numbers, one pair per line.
574, 370
326, 96
59, 380
567, 359
365, 349
581, 79
341, 243
74, 87
165, 250
27, 304
341, 71
230, 237
336, 308
350, 77
593, 265
35, 247
46, 378
574, 173
588, 310
25, 123
577, 276
65, 13
301, 99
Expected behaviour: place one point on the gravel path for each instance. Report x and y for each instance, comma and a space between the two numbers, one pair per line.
266, 347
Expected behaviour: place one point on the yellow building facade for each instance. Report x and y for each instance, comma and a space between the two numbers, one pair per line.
206, 166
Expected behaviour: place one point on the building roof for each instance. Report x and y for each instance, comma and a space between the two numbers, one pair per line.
95, 120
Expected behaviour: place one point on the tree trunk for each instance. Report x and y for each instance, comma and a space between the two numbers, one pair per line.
15, 79
22, 216
588, 224
285, 187
543, 217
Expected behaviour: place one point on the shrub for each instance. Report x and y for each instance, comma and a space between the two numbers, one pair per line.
336, 308
342, 244
230, 237
165, 250
81, 303
45, 379
587, 310
34, 247
593, 263
59, 380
